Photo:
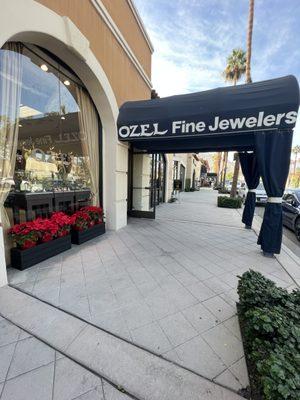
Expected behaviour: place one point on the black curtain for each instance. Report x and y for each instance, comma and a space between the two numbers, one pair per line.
273, 151
250, 171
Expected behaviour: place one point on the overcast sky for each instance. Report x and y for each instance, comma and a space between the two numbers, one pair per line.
192, 39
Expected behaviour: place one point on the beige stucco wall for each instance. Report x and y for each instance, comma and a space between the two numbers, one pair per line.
125, 80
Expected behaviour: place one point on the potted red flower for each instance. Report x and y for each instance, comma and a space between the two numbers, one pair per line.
40, 239
87, 223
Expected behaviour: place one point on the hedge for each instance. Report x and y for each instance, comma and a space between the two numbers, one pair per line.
229, 202
270, 324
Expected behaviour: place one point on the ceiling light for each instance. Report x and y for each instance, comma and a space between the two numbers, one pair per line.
44, 67
20, 125
67, 83
62, 117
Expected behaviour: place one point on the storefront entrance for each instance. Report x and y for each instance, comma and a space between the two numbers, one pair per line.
256, 120
146, 183
159, 180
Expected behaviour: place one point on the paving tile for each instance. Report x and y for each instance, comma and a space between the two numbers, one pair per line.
44, 273
72, 381
201, 291
200, 317
160, 305
198, 356
112, 393
6, 354
44, 320
151, 337
172, 355
239, 369
94, 394
177, 328
231, 279
217, 285
30, 354
58, 355
219, 308
224, 343
114, 322
200, 272
34, 385
227, 379
137, 314
147, 376
9, 333
80, 307
186, 278
233, 325
231, 297
128, 295
24, 335
16, 277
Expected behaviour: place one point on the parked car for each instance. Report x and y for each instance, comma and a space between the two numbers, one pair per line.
242, 190
291, 211
261, 195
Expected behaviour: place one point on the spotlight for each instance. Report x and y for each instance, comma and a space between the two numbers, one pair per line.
67, 83
44, 67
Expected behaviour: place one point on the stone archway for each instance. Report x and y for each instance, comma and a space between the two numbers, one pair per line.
29, 21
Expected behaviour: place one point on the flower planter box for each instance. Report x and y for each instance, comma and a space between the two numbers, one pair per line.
79, 237
22, 259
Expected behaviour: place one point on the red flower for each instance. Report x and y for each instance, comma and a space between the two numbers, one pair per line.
95, 213
81, 220
28, 244
47, 237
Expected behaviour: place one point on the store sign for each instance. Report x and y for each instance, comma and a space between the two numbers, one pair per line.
218, 124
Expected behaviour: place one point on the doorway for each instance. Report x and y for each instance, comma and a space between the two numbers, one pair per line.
182, 176
159, 178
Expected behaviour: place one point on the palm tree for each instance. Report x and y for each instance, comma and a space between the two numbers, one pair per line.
249, 41
236, 66
235, 69
296, 151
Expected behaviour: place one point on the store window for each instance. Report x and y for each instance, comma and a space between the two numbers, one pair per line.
49, 135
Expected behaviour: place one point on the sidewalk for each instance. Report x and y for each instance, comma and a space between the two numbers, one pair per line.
167, 285
29, 369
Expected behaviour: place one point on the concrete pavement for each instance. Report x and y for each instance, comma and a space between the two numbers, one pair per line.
168, 285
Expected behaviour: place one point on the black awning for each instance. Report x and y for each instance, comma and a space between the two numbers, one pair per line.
219, 119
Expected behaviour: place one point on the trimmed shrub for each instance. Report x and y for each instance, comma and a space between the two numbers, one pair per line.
270, 323
229, 202
223, 191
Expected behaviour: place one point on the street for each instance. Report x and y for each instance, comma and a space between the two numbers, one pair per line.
289, 238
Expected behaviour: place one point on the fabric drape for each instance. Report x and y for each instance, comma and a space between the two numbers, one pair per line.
250, 171
11, 66
89, 130
273, 150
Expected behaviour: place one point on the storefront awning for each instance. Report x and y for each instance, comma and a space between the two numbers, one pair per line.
258, 116
219, 119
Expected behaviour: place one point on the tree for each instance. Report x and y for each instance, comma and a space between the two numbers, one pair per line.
235, 69
249, 41
236, 66
296, 151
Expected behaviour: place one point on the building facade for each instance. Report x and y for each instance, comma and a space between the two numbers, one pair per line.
66, 67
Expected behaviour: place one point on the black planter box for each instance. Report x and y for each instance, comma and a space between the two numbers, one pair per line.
79, 237
22, 259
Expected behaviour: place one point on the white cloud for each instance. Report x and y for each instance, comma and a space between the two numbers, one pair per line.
192, 39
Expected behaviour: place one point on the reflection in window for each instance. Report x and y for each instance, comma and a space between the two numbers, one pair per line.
49, 155
54, 147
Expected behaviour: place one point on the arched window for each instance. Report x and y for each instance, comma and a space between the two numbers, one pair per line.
54, 145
